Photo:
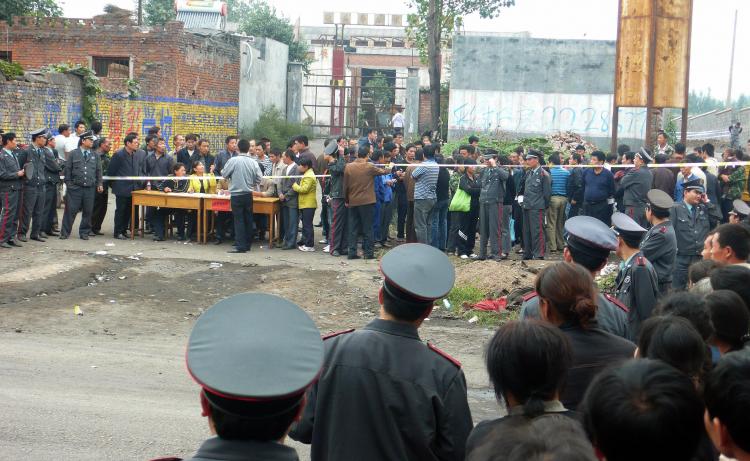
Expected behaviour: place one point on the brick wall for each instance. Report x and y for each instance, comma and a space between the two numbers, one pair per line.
46, 101
425, 110
167, 61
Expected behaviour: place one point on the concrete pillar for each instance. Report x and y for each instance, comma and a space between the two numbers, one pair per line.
411, 111
294, 92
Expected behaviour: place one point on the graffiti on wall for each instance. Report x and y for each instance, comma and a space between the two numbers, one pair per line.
26, 107
520, 112
210, 120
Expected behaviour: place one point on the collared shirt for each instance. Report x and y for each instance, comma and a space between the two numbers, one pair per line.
559, 180
426, 176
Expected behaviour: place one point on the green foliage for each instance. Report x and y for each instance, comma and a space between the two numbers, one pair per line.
259, 19
700, 102
37, 8
670, 128
10, 69
134, 88
503, 145
462, 297
159, 12
272, 125
92, 88
381, 91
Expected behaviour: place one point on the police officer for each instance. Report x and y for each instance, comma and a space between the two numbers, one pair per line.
637, 282
254, 356
83, 178
52, 169
692, 218
384, 394
32, 200
491, 201
589, 243
534, 201
659, 245
10, 190
739, 213
635, 185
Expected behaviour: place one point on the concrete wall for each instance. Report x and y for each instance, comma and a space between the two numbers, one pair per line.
46, 101
263, 79
714, 125
529, 86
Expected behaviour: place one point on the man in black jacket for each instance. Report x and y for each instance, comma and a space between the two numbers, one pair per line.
10, 189
32, 201
83, 178
183, 155
52, 168
128, 161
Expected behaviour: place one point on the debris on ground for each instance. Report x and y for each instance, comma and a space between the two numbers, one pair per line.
491, 305
77, 310
567, 141
215, 265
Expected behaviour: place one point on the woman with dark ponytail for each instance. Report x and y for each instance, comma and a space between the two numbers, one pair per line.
527, 363
731, 321
567, 299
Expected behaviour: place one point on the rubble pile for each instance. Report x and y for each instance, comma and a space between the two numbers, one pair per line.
567, 141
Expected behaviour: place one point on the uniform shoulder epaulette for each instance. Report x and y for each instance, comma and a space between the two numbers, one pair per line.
530, 295
663, 229
444, 355
616, 302
640, 260
337, 333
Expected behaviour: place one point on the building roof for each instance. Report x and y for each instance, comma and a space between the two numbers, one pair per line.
202, 20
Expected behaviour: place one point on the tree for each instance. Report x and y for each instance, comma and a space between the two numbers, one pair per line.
159, 12
381, 91
259, 19
432, 26
38, 8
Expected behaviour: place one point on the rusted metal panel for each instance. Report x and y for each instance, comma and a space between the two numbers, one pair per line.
634, 31
672, 53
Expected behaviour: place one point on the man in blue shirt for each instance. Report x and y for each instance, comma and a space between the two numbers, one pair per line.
425, 195
557, 204
598, 190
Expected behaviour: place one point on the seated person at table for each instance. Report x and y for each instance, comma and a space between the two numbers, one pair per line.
202, 183
176, 183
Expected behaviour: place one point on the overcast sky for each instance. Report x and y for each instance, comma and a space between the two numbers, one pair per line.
592, 19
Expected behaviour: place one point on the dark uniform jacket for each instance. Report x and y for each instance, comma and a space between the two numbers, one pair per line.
691, 229
35, 156
215, 449
183, 156
81, 171
493, 184
537, 190
9, 167
575, 186
159, 166
638, 288
664, 179
611, 313
52, 167
336, 181
385, 395
635, 185
593, 350
124, 164
659, 246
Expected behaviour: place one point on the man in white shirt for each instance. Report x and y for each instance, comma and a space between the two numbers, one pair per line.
398, 121
61, 140
71, 143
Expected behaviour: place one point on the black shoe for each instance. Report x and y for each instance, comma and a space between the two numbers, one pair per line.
65, 237
354, 257
118, 237
13, 243
22, 238
158, 239
85, 237
98, 232
236, 250
38, 239
5, 245
320, 224
218, 242
335, 253
289, 247
181, 238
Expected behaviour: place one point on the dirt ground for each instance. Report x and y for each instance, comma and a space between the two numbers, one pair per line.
111, 383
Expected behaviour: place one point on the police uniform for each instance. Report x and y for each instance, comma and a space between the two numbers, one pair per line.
52, 172
659, 245
491, 202
383, 393
589, 235
537, 191
10, 191
691, 226
635, 185
83, 174
740, 210
637, 282
254, 355
31, 204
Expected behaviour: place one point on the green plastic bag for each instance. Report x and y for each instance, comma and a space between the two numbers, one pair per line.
461, 201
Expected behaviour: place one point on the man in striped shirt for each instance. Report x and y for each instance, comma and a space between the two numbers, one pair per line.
425, 196
557, 204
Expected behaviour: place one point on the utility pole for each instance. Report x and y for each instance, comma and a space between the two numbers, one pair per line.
140, 13
731, 62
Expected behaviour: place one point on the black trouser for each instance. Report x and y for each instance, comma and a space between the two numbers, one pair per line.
455, 218
411, 233
223, 222
8, 215
533, 234
324, 210
600, 210
402, 210
360, 223
290, 217
337, 234
727, 205
78, 199
31, 210
100, 210
386, 215
242, 215
517, 223
50, 207
468, 233
574, 211
308, 233
122, 214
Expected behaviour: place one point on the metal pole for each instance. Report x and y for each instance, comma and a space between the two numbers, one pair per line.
615, 105
651, 77
731, 62
684, 125
140, 12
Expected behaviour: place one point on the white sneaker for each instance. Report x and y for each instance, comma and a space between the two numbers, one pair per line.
326, 248
301, 248
464, 257
307, 249
324, 241
473, 256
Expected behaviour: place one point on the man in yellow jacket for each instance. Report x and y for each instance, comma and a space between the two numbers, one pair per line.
308, 202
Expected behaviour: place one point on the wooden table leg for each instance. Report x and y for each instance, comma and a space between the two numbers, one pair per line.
132, 219
270, 229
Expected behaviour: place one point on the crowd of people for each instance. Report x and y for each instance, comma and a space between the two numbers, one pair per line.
568, 388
